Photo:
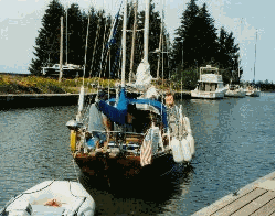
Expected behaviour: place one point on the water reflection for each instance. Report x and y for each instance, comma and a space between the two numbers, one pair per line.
234, 145
34, 147
152, 196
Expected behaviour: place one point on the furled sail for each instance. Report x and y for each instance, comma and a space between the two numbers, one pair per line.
143, 80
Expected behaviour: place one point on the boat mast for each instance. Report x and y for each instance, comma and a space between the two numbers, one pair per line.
66, 36
124, 46
146, 32
240, 59
162, 48
133, 42
160, 43
255, 57
86, 48
61, 52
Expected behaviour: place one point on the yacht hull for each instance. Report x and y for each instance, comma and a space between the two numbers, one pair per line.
108, 164
235, 94
253, 93
207, 94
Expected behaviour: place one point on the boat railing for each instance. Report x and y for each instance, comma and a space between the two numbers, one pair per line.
119, 135
116, 138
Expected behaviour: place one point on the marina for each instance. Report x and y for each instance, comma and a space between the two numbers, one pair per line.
172, 129
233, 141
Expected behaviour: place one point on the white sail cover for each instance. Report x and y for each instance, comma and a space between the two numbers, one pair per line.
143, 80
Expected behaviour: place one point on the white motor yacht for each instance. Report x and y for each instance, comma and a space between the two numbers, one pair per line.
210, 84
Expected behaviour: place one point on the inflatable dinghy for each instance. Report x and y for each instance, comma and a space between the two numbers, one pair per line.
52, 198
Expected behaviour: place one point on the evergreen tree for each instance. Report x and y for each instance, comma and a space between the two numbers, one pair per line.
76, 34
196, 37
188, 41
207, 38
47, 44
196, 44
228, 56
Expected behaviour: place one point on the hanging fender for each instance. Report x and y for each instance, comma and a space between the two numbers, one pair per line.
187, 125
186, 151
190, 140
176, 150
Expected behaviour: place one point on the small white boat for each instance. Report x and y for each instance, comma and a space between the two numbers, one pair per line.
52, 198
210, 84
252, 91
234, 91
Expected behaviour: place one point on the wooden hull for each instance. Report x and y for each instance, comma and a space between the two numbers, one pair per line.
108, 164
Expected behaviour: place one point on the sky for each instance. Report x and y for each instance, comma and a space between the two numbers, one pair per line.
20, 21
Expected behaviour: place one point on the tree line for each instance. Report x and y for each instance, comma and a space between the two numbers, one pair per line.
103, 58
197, 44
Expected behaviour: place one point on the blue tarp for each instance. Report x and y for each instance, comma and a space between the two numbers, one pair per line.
118, 114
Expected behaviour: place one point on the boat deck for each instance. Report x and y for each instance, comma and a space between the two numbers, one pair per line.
257, 198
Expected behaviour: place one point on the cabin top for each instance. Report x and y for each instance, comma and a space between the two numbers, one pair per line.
209, 70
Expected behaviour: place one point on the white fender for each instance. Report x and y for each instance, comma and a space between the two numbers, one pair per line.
191, 143
187, 124
176, 150
186, 151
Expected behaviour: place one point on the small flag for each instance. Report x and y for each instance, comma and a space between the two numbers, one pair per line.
112, 39
146, 153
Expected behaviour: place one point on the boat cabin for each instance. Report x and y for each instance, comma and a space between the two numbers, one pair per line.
141, 120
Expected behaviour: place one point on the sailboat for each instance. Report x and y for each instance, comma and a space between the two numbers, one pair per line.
130, 136
252, 90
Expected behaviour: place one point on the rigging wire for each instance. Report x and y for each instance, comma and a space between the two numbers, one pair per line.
86, 47
97, 32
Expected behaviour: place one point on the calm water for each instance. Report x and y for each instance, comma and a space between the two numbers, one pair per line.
234, 145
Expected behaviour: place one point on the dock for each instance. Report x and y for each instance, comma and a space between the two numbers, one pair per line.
8, 101
255, 199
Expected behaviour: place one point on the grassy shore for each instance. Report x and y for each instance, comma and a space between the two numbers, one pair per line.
12, 84
41, 85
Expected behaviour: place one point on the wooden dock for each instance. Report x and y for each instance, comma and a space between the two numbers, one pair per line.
255, 199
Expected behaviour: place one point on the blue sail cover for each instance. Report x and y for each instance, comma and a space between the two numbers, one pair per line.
117, 114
